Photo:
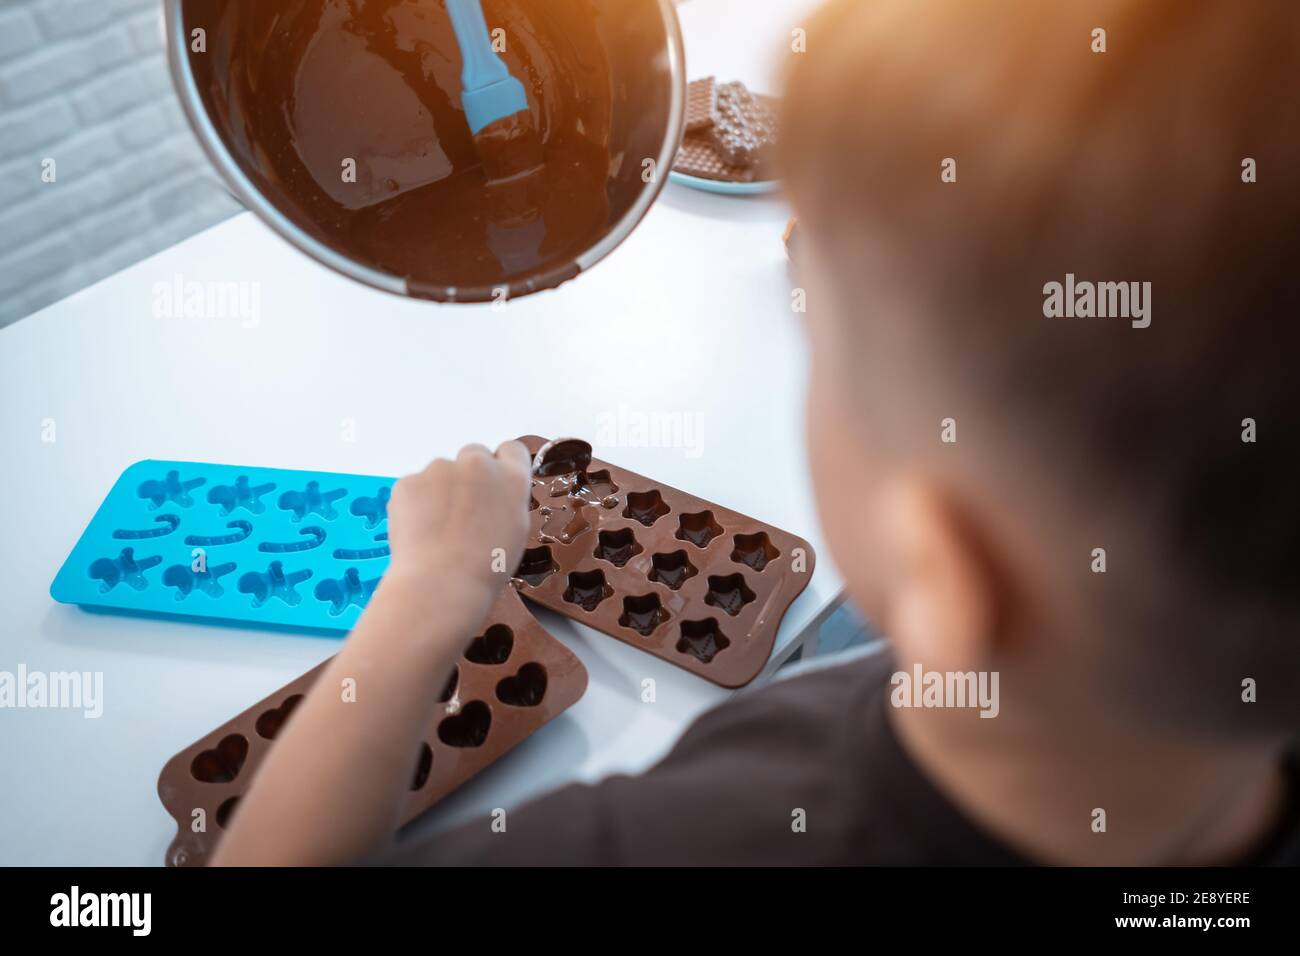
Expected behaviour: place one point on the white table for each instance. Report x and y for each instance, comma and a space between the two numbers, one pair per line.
690, 316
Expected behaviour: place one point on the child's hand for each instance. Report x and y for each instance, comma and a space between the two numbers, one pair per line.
462, 523
445, 525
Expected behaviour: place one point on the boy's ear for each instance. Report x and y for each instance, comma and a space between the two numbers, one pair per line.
942, 598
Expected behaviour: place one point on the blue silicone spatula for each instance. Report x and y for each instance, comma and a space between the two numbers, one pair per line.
489, 92
495, 103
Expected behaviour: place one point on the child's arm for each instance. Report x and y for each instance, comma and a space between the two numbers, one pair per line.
333, 787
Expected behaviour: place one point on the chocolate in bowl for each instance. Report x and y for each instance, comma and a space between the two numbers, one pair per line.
286, 95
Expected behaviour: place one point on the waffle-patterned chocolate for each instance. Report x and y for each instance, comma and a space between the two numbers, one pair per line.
730, 133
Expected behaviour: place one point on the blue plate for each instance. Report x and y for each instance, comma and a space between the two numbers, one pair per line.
266, 545
728, 189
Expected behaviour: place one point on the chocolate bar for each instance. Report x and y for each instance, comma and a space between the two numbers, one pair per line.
745, 127
698, 157
730, 133
701, 104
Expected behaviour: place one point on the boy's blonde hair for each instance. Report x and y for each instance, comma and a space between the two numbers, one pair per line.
1165, 149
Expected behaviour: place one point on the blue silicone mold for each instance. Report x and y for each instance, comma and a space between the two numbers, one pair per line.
265, 545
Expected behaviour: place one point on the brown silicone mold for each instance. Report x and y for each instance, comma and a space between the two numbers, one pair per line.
513, 678
674, 575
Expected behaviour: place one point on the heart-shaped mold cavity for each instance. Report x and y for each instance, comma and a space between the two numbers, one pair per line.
646, 507
729, 592
469, 728
126, 569
643, 613
342, 593
449, 691
271, 721
617, 547
223, 762
274, 583
492, 647
312, 501
186, 580
375, 509
226, 812
422, 767
755, 550
699, 528
242, 494
524, 689
702, 639
671, 569
169, 488
587, 589
537, 565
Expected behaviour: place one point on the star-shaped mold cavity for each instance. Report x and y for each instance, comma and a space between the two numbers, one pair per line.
536, 566
123, 569
729, 592
596, 488
618, 547
564, 524
587, 589
754, 550
274, 583
699, 528
703, 640
646, 507
643, 613
312, 501
242, 494
169, 488
671, 568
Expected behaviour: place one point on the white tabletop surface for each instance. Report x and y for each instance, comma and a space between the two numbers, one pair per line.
689, 317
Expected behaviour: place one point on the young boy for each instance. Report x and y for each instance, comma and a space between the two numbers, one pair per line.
1036, 465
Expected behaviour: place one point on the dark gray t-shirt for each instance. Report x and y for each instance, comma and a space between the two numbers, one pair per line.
816, 747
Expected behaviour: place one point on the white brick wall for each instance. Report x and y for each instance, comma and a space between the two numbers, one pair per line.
85, 83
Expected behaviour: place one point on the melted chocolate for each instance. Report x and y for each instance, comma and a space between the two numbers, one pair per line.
562, 456
304, 86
